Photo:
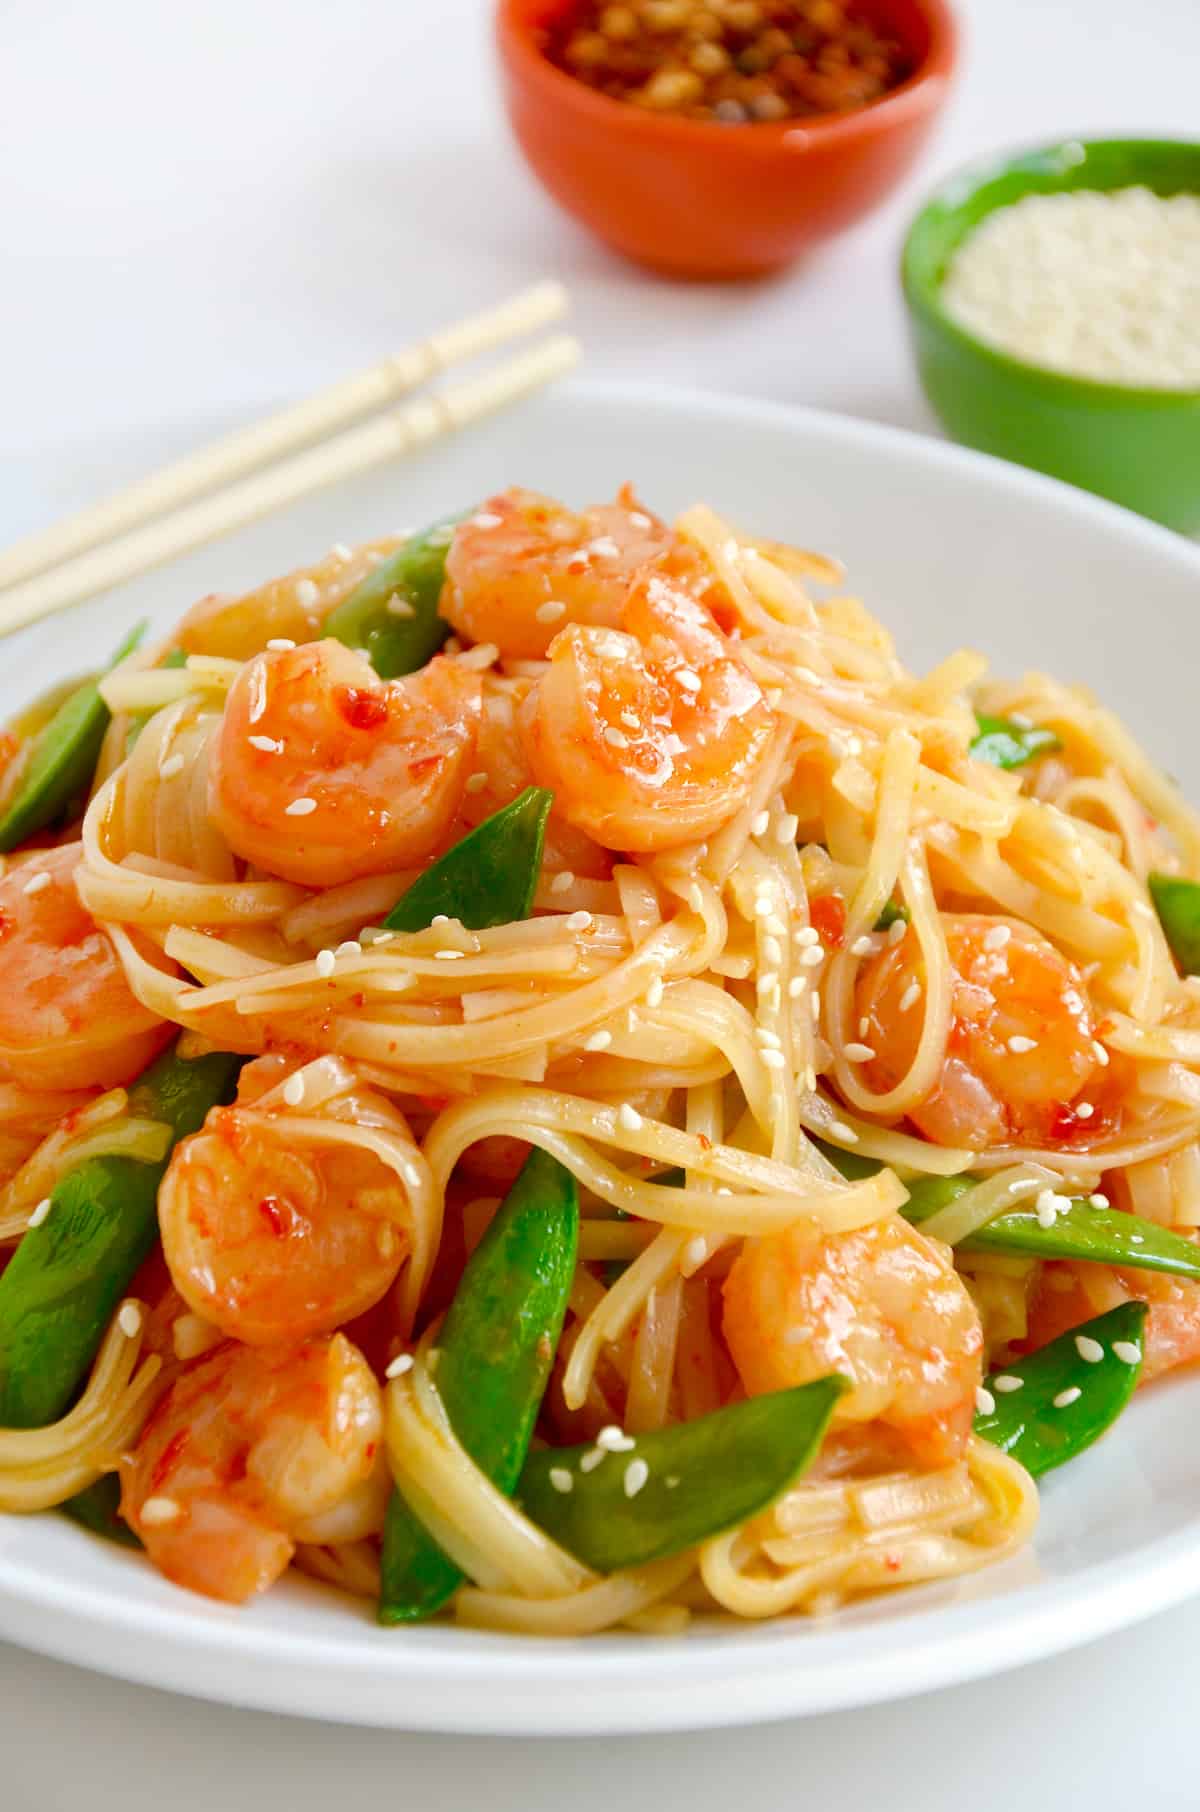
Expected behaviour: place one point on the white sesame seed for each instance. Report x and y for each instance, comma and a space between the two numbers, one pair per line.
864, 1025
997, 937
267, 744
639, 519
688, 680
307, 593
486, 519
813, 957
40, 1212
1127, 1351
797, 986
631, 720
774, 1060
561, 1479
563, 882
157, 1510
326, 962
579, 921
604, 547
1006, 1381
1049, 1205
767, 982
37, 883
403, 1362
695, 1253
628, 1118
615, 1440
786, 829
840, 1130
439, 918
293, 1090
863, 946
174, 764
591, 1459
599, 1041
281, 644
1088, 1349
1018, 1044
616, 739
636, 1474
129, 1319
764, 906
300, 808
447, 956
476, 782
398, 606
341, 552
805, 935
985, 1403
654, 993
766, 1036
550, 611
759, 823
773, 951
859, 1053
351, 947
1099, 1053
1084, 1110
379, 937
1065, 1398
1098, 1200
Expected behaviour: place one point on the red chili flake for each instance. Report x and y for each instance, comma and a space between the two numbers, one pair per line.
704, 1141
277, 1215
362, 709
168, 1459
828, 915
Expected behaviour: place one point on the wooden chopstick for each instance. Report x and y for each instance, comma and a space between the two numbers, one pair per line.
262, 443
416, 424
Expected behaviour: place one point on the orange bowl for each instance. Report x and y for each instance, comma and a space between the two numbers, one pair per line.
697, 199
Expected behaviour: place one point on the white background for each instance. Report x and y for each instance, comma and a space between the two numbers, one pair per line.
208, 208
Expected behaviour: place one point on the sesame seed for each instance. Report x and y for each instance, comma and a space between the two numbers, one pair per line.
379, 937
167, 770
1065, 1398
1098, 1200
326, 962
997, 937
805, 935
37, 884
605, 547
40, 1212
695, 1252
774, 1060
129, 1319
797, 986
840, 1130
300, 808
281, 644
1088, 1349
267, 744
439, 918
403, 1362
307, 593
1084, 1110
351, 947
859, 1053
864, 1025
773, 951
1007, 1381
476, 782
631, 720
616, 739
759, 823
599, 1041
341, 552
863, 946
628, 1118
897, 931
766, 1036
1099, 1053
1127, 1351
786, 829
293, 1090
910, 996
1018, 1044
1049, 1205
615, 1440
579, 921
767, 982
550, 612
157, 1510
561, 1479
447, 956
764, 906
813, 957
485, 519
775, 926
398, 606
636, 1474
654, 992
985, 1403
639, 519
688, 680
591, 1459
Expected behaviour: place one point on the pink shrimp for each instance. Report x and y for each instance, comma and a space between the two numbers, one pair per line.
246, 1449
883, 1306
67, 1017
1022, 1038
524, 567
649, 736
322, 773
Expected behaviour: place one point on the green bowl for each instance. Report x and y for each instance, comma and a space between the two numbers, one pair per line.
1140, 447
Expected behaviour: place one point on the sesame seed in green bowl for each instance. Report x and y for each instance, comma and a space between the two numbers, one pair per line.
1054, 305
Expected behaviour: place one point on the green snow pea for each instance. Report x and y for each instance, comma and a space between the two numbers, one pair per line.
698, 1478
1034, 1423
496, 1348
63, 759
96, 1507
1006, 744
891, 913
69, 1273
413, 576
1178, 906
487, 879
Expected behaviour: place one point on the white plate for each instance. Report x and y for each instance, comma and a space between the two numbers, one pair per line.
948, 548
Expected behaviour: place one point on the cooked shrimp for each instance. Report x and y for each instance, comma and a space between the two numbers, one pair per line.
522, 555
883, 1306
245, 1449
271, 1241
322, 773
67, 1017
1021, 1042
293, 607
650, 735
1067, 1295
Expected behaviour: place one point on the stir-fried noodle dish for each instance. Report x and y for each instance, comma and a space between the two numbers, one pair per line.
546, 1078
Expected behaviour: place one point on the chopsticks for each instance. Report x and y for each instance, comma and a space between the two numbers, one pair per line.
288, 456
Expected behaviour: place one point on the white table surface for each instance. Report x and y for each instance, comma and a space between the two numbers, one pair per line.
207, 208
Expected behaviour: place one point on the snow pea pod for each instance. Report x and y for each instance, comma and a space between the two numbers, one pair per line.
677, 1486
1178, 906
1064, 1402
495, 1348
63, 759
68, 1274
487, 879
97, 1508
1007, 744
392, 614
